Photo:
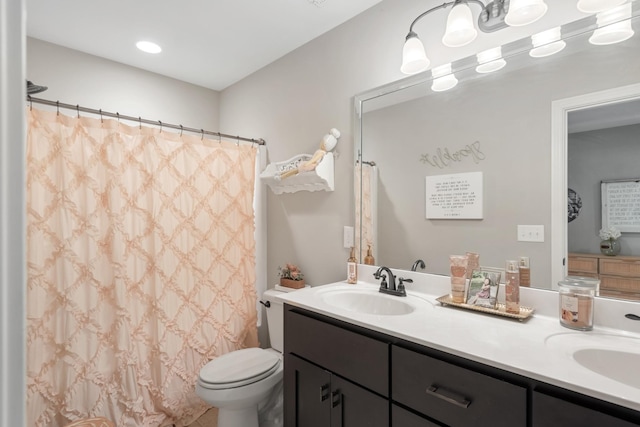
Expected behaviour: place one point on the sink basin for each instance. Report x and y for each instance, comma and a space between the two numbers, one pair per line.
369, 301
611, 355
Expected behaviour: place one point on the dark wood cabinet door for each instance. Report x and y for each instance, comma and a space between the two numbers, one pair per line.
307, 394
549, 411
403, 418
353, 406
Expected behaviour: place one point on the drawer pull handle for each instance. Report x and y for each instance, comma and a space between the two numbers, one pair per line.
336, 398
448, 396
324, 392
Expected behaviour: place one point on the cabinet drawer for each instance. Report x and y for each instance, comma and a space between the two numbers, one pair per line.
548, 411
583, 265
622, 284
454, 395
359, 358
402, 418
620, 267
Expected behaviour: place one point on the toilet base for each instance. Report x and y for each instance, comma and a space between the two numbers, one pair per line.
246, 417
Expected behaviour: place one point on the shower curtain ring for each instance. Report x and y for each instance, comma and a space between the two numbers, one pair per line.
160, 126
181, 129
78, 110
118, 115
30, 103
238, 141
219, 138
101, 119
201, 134
57, 108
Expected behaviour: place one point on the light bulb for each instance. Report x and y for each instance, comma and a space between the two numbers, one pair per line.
460, 29
547, 43
414, 58
614, 26
524, 12
490, 60
443, 78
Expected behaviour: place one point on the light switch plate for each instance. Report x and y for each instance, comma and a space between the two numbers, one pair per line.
531, 233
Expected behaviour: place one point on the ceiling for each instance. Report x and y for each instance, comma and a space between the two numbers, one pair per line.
210, 43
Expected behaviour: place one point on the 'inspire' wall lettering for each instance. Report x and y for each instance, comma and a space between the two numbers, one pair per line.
443, 157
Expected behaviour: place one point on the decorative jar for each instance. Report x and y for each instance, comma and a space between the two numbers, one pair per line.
610, 247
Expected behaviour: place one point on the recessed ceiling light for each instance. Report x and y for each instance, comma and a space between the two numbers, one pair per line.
148, 47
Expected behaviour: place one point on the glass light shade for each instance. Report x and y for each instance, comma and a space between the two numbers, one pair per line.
460, 29
148, 47
547, 43
614, 26
490, 60
595, 6
414, 58
524, 12
443, 78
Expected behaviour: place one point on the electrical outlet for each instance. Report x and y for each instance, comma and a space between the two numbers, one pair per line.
348, 237
531, 233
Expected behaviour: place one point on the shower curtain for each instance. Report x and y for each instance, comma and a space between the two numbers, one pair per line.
141, 268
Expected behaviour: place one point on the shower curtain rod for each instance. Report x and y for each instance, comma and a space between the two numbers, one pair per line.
140, 120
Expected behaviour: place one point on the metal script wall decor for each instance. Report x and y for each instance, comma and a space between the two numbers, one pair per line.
444, 157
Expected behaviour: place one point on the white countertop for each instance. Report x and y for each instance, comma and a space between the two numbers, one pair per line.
531, 348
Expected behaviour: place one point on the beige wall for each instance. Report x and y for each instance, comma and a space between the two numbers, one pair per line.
295, 100
292, 103
74, 77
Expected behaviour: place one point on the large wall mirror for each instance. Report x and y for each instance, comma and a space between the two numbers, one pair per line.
498, 128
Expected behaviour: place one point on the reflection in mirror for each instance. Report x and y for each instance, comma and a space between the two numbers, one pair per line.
496, 124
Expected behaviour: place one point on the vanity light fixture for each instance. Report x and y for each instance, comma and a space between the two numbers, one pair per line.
490, 60
547, 43
614, 26
460, 29
149, 47
443, 78
595, 6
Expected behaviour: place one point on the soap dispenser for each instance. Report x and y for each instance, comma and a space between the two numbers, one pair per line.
369, 259
352, 268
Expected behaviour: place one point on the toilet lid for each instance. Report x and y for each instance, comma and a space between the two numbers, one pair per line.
238, 368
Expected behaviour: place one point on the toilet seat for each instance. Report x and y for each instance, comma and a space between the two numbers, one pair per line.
239, 368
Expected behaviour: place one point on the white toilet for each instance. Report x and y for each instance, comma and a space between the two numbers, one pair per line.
237, 382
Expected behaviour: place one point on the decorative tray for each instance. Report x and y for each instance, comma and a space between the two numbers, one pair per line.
500, 310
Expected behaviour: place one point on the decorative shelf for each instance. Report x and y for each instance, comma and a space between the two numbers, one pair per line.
321, 178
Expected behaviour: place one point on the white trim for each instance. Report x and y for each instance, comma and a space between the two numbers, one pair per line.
559, 138
260, 209
12, 213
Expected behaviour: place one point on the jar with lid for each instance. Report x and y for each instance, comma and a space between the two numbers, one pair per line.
576, 304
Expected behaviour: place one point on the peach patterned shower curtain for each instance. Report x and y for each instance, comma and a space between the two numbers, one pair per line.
141, 268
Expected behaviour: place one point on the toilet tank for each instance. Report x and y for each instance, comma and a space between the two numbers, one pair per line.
275, 318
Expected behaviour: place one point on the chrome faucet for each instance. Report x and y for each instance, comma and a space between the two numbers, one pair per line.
390, 288
418, 263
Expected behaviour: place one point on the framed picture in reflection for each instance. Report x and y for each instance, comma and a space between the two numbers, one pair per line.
483, 287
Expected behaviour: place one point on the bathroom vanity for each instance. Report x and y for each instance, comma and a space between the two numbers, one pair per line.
348, 368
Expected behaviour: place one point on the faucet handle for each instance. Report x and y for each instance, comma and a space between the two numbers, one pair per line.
403, 280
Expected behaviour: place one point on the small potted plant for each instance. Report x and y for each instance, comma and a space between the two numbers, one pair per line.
609, 244
291, 276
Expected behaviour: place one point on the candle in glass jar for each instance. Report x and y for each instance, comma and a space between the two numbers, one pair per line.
458, 264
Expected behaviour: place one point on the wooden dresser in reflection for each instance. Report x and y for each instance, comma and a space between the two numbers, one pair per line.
619, 275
